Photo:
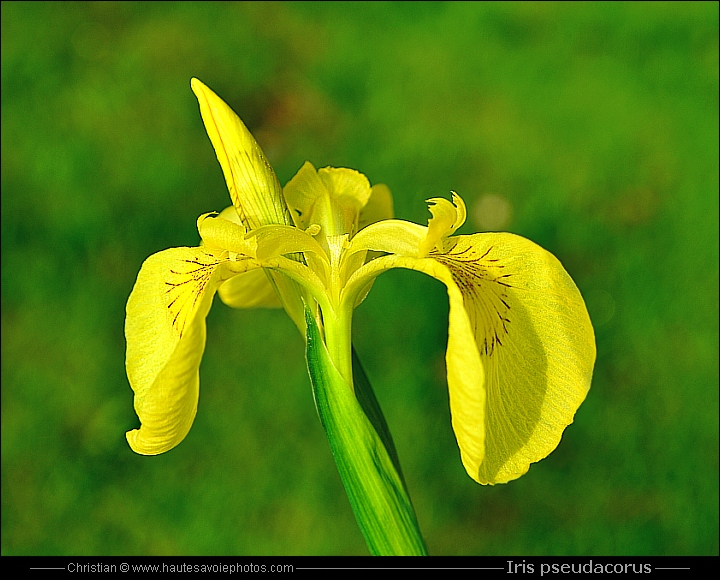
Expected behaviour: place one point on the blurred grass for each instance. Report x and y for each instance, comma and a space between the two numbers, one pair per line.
594, 127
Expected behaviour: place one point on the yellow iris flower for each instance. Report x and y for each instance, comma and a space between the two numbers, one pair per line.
520, 350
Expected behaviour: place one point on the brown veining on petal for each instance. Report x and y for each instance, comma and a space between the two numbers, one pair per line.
186, 283
484, 284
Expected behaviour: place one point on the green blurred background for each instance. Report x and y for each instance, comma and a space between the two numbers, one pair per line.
591, 129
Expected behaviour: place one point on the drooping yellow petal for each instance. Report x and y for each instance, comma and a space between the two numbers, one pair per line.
536, 343
253, 186
165, 332
466, 374
520, 339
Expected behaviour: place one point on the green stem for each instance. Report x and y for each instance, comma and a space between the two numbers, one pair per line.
338, 339
373, 485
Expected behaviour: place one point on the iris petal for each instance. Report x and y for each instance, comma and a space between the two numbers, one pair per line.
253, 186
378, 207
252, 289
521, 348
390, 236
536, 342
165, 332
332, 197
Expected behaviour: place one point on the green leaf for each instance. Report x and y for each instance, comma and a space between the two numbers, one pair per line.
373, 485
369, 403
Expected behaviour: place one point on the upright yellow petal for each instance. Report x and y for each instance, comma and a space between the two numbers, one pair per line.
165, 332
331, 197
301, 193
349, 191
253, 186
378, 207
